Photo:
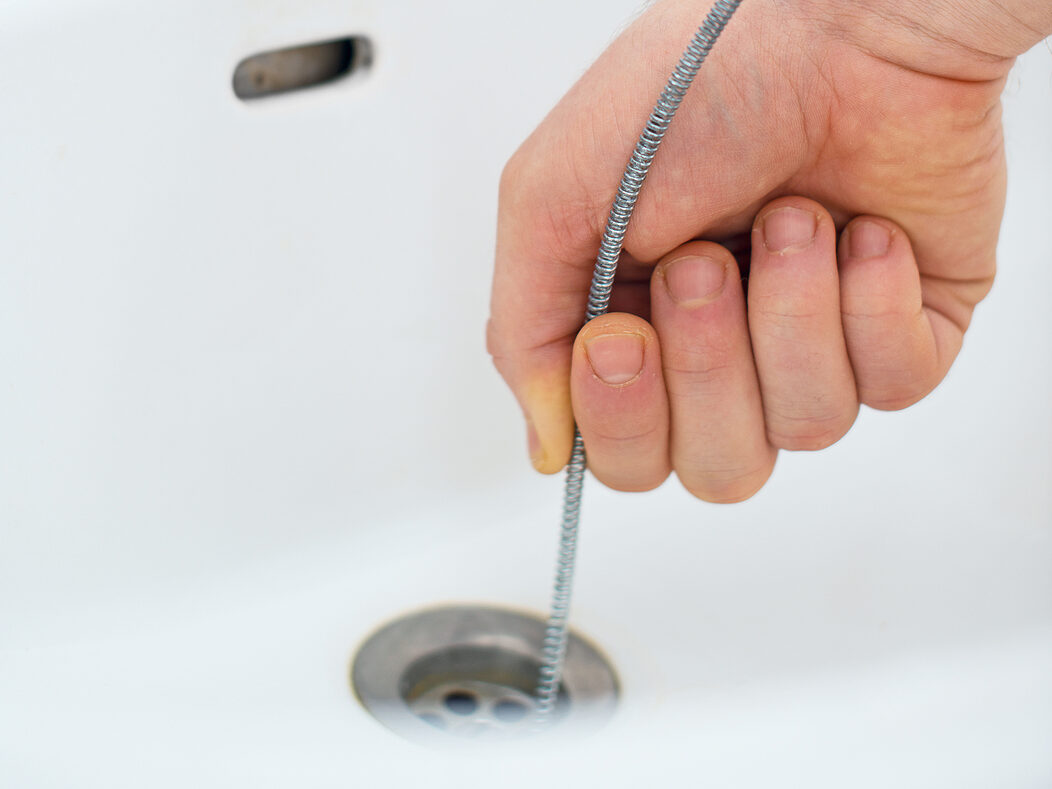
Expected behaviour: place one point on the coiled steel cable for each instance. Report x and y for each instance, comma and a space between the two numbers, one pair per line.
556, 632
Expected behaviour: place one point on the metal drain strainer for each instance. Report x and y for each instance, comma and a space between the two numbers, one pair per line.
471, 671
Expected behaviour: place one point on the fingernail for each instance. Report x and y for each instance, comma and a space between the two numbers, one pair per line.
537, 456
695, 280
549, 419
786, 229
615, 358
868, 240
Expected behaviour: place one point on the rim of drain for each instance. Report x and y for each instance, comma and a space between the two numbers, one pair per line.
471, 671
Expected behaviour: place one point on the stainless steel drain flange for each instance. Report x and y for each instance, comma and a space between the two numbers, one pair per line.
471, 671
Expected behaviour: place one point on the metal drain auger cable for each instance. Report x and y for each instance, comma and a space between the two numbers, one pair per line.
556, 632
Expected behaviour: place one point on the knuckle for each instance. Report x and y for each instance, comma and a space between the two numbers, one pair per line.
495, 344
622, 435
805, 442
562, 220
895, 398
809, 431
492, 338
893, 387
498, 334
785, 309
727, 486
873, 313
638, 483
511, 176
809, 437
704, 367
707, 381
700, 359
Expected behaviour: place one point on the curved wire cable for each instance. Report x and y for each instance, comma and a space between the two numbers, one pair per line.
556, 633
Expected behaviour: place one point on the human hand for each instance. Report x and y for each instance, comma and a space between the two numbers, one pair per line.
810, 116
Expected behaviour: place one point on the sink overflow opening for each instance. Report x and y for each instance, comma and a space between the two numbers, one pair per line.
295, 68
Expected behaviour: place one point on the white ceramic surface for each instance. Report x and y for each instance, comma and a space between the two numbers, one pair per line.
246, 416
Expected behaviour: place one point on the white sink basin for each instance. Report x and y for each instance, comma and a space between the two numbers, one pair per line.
246, 417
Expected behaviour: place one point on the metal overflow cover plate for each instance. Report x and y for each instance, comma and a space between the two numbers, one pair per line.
471, 672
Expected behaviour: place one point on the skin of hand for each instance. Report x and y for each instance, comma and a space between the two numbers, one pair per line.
818, 226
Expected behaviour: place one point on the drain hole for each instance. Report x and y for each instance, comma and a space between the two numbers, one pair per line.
473, 671
461, 703
509, 711
295, 68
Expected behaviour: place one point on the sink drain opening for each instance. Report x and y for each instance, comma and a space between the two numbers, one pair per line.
474, 690
471, 672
